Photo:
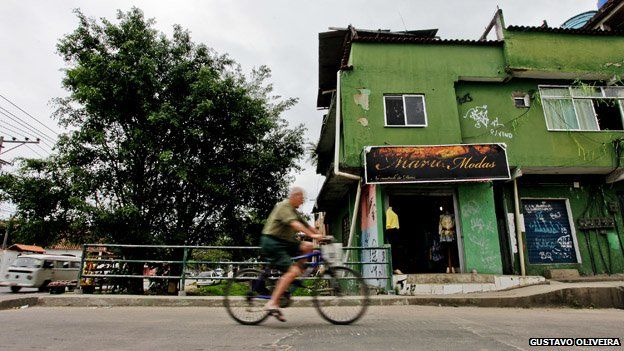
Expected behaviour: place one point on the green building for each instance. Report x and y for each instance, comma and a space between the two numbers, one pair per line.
500, 155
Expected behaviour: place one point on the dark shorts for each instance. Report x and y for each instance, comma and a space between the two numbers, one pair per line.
278, 252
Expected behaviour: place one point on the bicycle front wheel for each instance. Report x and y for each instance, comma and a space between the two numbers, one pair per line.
242, 299
340, 295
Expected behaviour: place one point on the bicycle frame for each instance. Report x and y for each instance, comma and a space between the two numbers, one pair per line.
315, 253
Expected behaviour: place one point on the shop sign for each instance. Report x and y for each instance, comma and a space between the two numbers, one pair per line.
438, 163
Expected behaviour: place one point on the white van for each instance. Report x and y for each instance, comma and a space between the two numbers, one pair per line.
39, 270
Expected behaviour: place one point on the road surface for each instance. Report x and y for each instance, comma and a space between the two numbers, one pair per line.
383, 328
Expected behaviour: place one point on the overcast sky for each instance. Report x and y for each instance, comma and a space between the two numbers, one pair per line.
280, 34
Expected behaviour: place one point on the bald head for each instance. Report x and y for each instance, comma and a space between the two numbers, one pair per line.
296, 196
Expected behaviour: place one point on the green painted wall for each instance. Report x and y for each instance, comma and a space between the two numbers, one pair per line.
479, 229
334, 219
398, 68
529, 143
608, 245
556, 52
435, 71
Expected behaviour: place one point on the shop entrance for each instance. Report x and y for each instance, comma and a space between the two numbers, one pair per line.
426, 241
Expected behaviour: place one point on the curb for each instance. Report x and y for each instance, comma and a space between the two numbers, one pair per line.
576, 297
18, 302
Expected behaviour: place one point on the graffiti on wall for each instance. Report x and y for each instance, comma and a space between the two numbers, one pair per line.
479, 231
373, 273
479, 115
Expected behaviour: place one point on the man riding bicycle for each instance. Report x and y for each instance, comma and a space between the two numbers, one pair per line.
279, 243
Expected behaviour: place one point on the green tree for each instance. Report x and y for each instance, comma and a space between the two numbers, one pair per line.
169, 142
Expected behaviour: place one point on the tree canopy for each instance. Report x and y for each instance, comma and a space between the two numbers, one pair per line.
168, 143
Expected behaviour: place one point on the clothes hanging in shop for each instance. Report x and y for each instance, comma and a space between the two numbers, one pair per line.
446, 228
392, 219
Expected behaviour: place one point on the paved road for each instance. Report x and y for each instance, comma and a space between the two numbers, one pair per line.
383, 328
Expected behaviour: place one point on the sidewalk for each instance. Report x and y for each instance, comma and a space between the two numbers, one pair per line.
585, 294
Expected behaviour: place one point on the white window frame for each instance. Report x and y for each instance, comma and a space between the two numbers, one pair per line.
572, 97
403, 96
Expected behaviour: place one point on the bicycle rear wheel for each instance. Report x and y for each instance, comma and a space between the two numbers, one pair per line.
242, 301
340, 295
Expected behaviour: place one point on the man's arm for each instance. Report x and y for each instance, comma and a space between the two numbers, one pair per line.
308, 231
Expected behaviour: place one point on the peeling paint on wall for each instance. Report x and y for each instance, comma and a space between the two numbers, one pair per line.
361, 99
363, 121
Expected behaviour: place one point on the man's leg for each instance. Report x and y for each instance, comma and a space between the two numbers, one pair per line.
293, 272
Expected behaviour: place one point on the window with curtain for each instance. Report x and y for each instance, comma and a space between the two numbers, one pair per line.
583, 108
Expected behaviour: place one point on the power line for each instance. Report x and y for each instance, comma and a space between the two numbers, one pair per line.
18, 131
44, 150
28, 114
23, 123
33, 150
13, 132
19, 142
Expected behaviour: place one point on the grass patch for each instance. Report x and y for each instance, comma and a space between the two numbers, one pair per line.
240, 289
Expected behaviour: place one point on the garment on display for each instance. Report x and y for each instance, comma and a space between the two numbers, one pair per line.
392, 219
446, 228
416, 248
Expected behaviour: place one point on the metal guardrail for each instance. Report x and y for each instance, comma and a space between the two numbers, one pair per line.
103, 263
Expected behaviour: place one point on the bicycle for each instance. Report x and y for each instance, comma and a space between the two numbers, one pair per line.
339, 294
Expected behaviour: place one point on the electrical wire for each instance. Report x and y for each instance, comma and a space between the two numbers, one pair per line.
31, 149
12, 132
44, 150
16, 119
19, 129
28, 114
1, 132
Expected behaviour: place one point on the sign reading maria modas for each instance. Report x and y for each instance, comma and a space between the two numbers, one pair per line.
440, 163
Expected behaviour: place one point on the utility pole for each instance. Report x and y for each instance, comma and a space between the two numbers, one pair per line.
13, 141
6, 233
2, 163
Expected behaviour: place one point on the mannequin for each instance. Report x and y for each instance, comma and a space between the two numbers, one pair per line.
392, 232
446, 229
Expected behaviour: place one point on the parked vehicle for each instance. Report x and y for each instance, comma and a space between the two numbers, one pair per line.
205, 277
39, 270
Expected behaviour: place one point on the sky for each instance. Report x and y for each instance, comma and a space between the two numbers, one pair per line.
281, 34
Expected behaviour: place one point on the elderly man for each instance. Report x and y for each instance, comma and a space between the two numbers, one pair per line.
279, 244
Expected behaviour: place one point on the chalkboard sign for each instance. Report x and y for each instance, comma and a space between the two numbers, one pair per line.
548, 231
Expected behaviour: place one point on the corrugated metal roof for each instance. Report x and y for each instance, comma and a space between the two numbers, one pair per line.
566, 31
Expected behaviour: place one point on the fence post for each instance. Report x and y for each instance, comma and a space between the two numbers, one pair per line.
82, 266
181, 291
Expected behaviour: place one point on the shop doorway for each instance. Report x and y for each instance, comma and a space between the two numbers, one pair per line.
426, 241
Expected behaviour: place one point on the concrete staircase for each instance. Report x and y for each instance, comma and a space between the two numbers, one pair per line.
444, 284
